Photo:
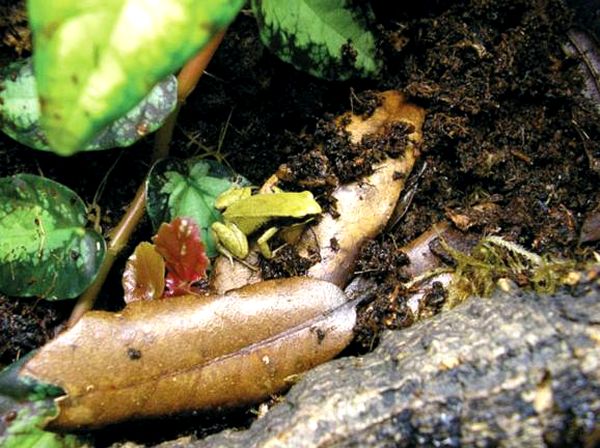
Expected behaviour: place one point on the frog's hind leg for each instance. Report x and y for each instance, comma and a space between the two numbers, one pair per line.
263, 242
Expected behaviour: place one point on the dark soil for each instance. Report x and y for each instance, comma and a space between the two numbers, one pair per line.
509, 141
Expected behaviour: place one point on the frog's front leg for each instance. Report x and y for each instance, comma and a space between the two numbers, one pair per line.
230, 240
263, 242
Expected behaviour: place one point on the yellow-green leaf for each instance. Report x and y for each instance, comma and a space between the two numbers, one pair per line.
20, 112
45, 248
94, 60
26, 406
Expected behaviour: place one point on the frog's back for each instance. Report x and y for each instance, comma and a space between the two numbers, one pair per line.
275, 205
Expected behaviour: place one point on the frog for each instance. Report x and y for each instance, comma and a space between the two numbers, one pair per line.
245, 213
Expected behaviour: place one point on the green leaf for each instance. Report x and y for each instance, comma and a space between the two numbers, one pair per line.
326, 38
45, 249
96, 59
188, 189
26, 406
20, 112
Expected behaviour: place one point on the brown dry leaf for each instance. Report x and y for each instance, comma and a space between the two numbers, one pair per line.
460, 220
364, 207
192, 352
144, 275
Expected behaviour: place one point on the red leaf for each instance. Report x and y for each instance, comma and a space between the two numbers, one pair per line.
179, 243
144, 275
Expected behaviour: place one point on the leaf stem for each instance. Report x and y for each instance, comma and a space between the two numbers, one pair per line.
186, 83
119, 236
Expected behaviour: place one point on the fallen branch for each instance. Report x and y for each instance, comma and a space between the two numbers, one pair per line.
514, 370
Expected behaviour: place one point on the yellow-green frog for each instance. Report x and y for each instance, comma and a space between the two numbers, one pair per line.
244, 213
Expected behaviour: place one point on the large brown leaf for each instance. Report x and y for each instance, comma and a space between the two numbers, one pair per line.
192, 352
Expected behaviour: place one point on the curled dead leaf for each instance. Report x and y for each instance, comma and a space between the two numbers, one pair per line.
144, 274
365, 206
192, 352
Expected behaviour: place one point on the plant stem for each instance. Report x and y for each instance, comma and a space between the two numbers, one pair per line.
119, 236
186, 83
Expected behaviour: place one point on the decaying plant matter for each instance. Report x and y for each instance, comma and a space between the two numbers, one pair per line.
506, 149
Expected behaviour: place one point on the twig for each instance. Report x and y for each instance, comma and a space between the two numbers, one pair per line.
118, 237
